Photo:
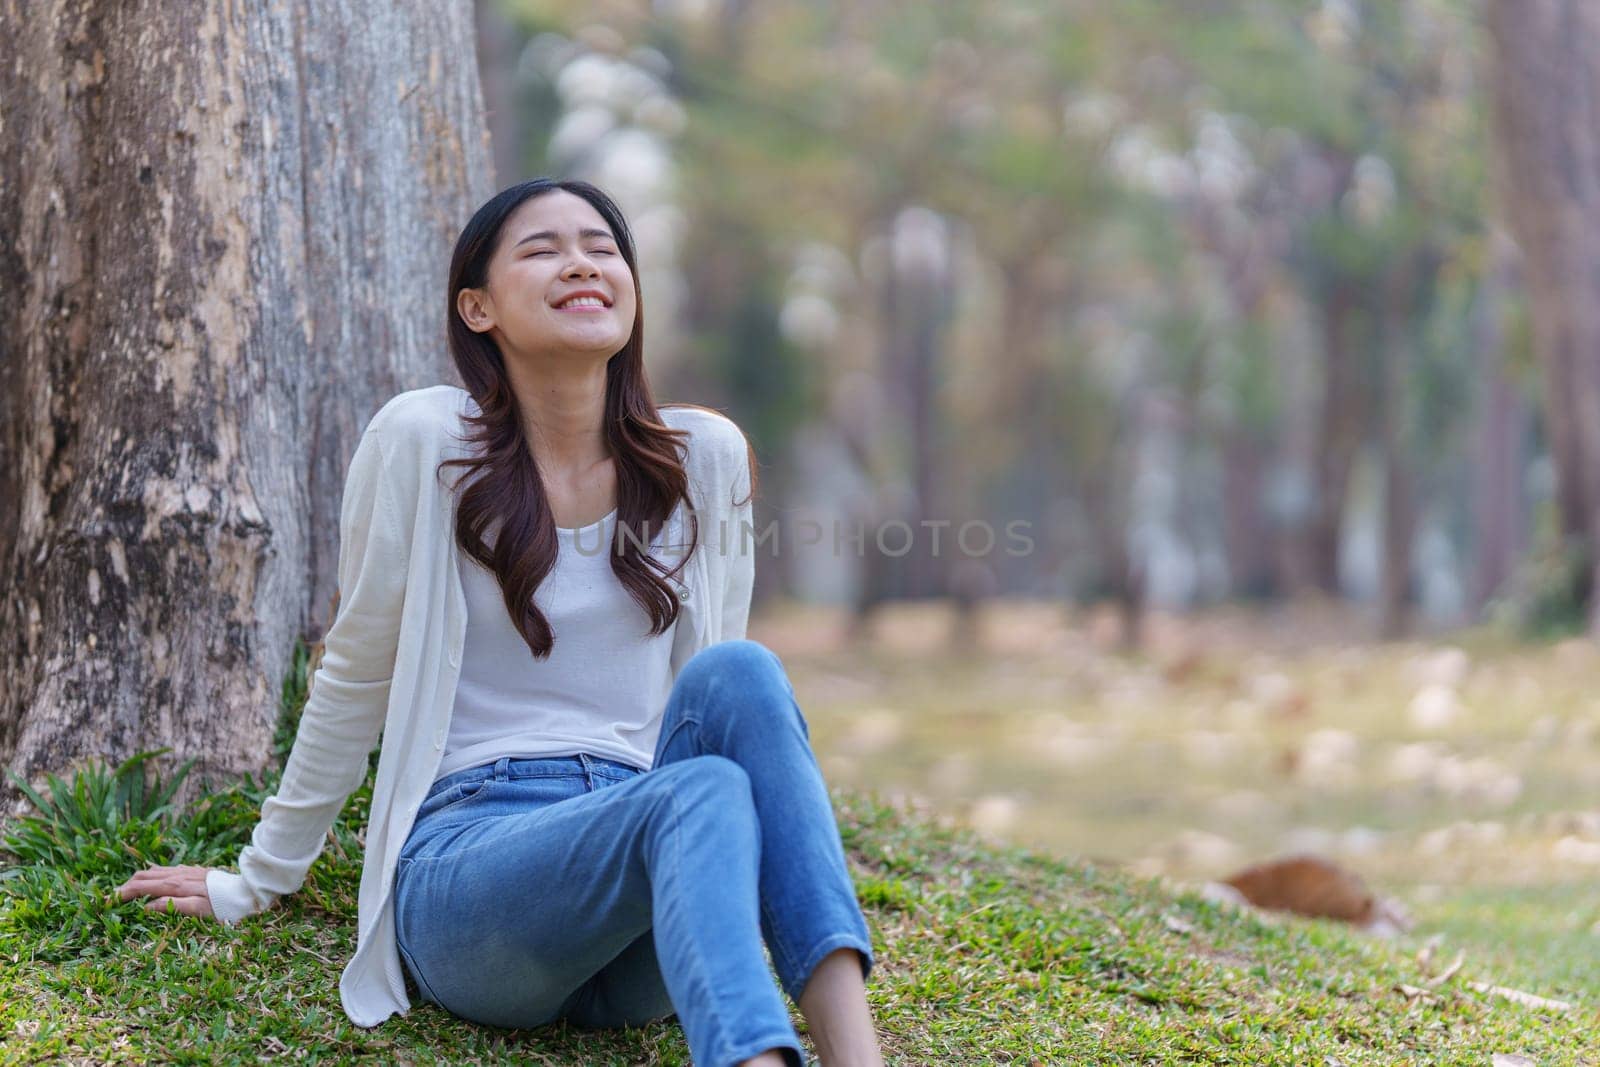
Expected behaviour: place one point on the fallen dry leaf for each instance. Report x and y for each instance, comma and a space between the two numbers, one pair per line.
1425, 954
1448, 973
1307, 885
1518, 996
1176, 925
1411, 992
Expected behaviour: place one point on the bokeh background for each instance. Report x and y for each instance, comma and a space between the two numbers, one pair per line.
1223, 305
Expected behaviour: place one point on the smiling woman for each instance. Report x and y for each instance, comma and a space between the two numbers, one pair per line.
565, 259
569, 431
582, 756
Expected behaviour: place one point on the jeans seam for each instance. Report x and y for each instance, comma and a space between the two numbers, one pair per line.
416, 975
699, 964
784, 961
683, 720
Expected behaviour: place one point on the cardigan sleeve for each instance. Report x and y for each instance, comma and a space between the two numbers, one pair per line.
345, 710
740, 573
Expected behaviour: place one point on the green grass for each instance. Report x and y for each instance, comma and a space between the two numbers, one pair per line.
986, 955
1043, 736
1540, 937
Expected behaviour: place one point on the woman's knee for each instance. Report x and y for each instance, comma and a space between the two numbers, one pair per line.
739, 684
744, 662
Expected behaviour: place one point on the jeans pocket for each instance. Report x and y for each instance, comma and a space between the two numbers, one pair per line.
454, 796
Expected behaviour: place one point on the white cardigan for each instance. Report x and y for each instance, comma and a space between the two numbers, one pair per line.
392, 657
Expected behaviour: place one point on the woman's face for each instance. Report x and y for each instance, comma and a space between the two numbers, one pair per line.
557, 282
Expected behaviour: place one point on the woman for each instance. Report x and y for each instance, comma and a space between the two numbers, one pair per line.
619, 801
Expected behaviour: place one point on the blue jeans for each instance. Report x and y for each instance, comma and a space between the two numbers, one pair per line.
581, 888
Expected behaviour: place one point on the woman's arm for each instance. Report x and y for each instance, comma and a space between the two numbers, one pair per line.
349, 694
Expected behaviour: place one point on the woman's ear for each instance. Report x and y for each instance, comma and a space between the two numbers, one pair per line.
475, 309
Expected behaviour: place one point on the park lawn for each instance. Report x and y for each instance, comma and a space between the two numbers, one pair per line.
1541, 938
1174, 759
985, 955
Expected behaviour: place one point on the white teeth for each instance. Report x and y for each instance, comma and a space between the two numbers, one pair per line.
583, 302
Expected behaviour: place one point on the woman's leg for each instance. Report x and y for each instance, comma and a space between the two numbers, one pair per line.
506, 914
734, 699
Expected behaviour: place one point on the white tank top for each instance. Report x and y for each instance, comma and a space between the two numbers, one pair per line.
602, 689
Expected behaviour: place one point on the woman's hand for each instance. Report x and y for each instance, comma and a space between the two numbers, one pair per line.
183, 888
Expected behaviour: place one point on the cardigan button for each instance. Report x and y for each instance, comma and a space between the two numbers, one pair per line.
683, 592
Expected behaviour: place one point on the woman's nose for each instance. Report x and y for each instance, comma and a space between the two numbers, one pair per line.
581, 267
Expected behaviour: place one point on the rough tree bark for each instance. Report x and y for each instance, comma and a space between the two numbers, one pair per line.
223, 244
1546, 83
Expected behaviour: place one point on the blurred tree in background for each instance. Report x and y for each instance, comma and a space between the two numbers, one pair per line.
1547, 77
1211, 296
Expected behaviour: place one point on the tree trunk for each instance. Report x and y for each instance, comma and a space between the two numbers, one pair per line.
1106, 495
1340, 429
1547, 124
1502, 426
224, 241
917, 296
1399, 491
1248, 537
499, 48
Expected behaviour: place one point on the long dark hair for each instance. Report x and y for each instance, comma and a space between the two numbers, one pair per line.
506, 489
